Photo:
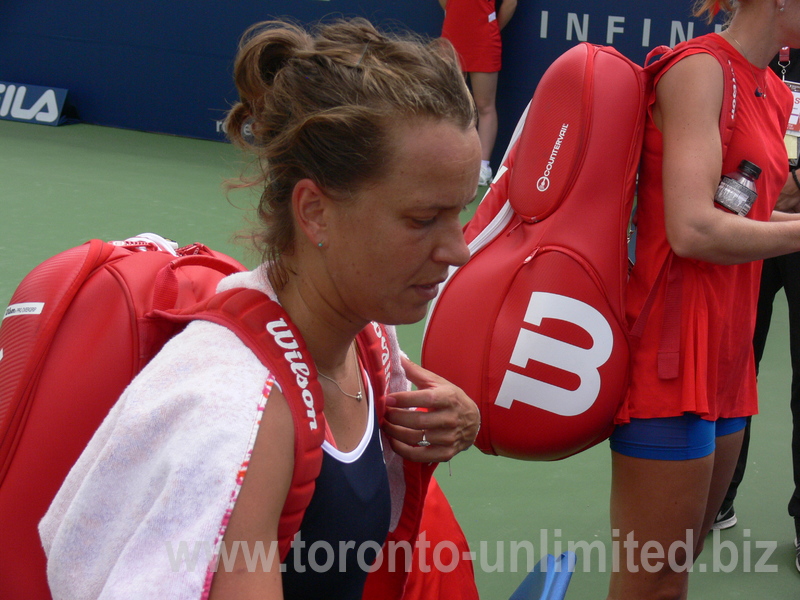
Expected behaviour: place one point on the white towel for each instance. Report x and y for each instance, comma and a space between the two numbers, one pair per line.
140, 512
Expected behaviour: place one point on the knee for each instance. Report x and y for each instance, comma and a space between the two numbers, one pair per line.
663, 579
664, 586
485, 108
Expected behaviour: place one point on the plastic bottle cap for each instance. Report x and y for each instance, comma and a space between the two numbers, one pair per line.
750, 169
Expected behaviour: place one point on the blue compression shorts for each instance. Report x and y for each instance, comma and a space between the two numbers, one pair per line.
672, 438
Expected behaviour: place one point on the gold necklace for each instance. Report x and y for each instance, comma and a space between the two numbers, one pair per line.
359, 396
759, 92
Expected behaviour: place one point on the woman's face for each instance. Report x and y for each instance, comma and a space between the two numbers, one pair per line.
391, 246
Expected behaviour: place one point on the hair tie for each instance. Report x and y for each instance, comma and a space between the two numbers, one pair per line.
716, 8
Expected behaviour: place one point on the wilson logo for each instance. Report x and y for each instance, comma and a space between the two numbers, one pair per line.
284, 337
543, 184
583, 362
24, 308
385, 354
31, 103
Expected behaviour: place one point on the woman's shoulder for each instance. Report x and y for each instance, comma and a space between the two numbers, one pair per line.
696, 75
702, 55
205, 359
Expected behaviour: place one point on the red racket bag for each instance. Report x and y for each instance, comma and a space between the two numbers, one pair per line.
72, 338
533, 326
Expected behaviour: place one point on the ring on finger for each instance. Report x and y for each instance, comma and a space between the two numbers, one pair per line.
423, 442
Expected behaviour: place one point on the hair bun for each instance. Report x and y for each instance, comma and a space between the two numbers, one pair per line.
265, 49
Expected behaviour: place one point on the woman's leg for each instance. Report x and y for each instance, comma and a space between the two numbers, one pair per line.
661, 511
484, 90
726, 455
657, 510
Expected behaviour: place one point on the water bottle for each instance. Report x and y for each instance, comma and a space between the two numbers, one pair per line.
737, 190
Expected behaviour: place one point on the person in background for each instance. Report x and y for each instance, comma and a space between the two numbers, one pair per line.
779, 272
680, 427
473, 27
335, 119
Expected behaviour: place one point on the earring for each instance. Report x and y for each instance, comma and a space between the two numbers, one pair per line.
319, 245
782, 6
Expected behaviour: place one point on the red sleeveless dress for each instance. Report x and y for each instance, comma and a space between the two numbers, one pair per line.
716, 370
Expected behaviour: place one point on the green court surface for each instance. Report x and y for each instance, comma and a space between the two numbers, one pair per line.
60, 186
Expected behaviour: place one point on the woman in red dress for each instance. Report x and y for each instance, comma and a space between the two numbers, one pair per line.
680, 428
473, 27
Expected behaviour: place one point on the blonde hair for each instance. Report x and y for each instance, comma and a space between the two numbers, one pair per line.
320, 105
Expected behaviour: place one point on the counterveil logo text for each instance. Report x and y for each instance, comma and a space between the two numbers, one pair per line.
31, 103
544, 181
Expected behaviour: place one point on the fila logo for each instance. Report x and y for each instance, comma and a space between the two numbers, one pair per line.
583, 362
44, 106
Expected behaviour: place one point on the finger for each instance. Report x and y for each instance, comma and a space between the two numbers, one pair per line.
419, 376
411, 436
426, 399
443, 437
420, 419
426, 454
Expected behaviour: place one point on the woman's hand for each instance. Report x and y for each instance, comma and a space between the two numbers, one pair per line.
448, 419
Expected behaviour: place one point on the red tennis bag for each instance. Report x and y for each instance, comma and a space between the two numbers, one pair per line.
533, 327
71, 340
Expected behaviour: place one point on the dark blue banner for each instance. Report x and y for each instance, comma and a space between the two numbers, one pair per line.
165, 66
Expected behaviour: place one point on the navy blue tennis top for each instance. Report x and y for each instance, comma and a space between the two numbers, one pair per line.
345, 524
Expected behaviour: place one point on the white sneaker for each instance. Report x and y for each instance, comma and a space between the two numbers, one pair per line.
485, 177
797, 554
725, 519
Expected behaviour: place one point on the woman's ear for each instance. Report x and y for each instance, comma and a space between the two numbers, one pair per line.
309, 205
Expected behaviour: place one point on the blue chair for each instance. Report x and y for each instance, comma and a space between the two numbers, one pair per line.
548, 580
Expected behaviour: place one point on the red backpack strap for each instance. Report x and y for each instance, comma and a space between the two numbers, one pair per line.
387, 583
19, 370
663, 57
669, 344
373, 348
265, 328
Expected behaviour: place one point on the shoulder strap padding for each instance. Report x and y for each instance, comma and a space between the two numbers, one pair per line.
265, 328
373, 347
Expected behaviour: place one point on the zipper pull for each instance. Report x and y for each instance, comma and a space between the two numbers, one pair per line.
532, 255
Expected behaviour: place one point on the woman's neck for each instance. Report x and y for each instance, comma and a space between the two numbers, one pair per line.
328, 335
751, 32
